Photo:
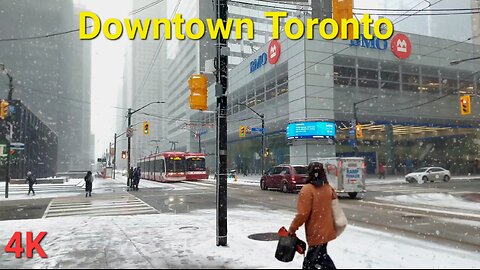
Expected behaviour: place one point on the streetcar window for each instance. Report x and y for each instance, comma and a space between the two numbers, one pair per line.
175, 164
196, 164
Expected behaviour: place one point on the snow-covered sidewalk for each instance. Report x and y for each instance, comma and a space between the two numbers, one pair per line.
188, 241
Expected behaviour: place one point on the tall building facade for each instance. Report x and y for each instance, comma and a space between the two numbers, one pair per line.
51, 75
143, 83
187, 57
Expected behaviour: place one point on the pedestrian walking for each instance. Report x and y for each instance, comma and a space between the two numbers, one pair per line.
88, 184
137, 176
381, 171
31, 180
316, 212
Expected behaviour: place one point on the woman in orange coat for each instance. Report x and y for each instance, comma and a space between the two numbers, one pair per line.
315, 211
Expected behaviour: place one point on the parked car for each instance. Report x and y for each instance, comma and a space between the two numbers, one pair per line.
285, 177
426, 174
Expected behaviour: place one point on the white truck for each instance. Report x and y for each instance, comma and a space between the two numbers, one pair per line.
346, 174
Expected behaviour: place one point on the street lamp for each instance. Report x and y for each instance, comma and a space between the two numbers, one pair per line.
129, 116
9, 129
262, 117
355, 121
456, 62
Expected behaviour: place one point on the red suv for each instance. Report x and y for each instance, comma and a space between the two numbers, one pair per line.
287, 178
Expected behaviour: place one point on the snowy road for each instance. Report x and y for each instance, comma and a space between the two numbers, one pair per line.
403, 223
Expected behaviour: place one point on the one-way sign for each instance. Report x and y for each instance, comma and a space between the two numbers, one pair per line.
17, 146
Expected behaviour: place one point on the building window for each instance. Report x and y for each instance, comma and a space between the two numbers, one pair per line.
344, 76
449, 81
411, 78
367, 73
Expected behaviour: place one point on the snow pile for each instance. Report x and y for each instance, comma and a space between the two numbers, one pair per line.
443, 200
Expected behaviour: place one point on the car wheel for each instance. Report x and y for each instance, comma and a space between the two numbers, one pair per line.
352, 195
425, 179
262, 185
284, 188
446, 178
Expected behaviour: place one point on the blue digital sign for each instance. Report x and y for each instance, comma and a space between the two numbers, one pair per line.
311, 130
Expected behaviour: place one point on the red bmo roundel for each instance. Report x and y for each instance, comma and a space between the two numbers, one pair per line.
274, 51
401, 46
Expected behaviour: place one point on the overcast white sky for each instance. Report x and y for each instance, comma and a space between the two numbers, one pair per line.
107, 72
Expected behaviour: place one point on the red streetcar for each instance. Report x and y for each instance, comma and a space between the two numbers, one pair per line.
163, 167
195, 166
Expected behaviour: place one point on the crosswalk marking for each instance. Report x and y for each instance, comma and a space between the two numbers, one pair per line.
200, 184
44, 189
99, 205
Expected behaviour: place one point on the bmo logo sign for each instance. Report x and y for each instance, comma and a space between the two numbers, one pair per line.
274, 51
258, 63
401, 46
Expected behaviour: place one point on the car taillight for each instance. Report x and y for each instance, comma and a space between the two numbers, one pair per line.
293, 179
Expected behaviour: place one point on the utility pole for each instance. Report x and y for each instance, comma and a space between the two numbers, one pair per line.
128, 138
114, 154
355, 123
109, 154
221, 10
262, 117
129, 116
8, 125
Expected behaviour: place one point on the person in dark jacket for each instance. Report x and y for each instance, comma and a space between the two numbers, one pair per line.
88, 184
31, 180
130, 177
137, 175
316, 212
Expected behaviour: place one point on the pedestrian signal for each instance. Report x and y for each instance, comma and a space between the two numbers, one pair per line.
124, 154
465, 105
146, 128
3, 109
198, 92
359, 131
243, 131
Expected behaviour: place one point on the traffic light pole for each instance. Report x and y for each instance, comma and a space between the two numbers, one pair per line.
262, 117
8, 130
128, 138
355, 123
221, 9
354, 128
114, 154
129, 116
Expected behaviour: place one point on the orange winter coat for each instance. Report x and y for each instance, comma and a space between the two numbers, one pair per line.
315, 211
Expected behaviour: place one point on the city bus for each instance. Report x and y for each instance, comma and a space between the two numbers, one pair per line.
163, 167
195, 166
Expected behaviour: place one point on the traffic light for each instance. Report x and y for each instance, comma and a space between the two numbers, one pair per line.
343, 9
267, 152
465, 105
124, 154
146, 128
198, 92
243, 131
359, 131
3, 109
